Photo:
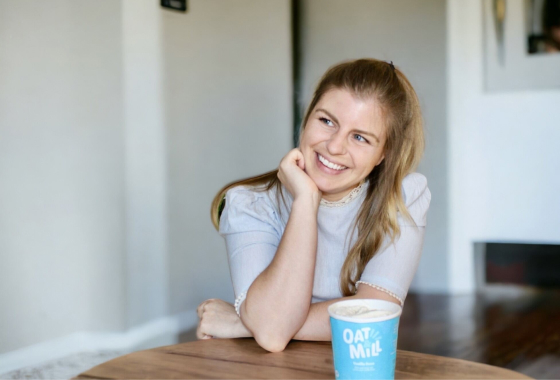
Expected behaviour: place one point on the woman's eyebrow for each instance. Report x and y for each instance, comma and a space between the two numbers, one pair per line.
355, 130
328, 113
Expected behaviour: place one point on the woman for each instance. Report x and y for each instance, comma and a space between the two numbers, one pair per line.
342, 217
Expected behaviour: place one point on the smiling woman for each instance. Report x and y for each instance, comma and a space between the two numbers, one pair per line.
343, 208
339, 156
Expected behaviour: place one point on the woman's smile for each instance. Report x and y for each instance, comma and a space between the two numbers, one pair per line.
328, 167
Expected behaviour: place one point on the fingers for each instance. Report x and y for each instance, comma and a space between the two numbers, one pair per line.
200, 334
294, 156
300, 160
200, 309
200, 331
297, 158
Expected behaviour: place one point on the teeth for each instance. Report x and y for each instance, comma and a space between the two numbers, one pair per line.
330, 164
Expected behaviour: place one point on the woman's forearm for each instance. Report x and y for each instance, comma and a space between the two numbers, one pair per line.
317, 325
278, 301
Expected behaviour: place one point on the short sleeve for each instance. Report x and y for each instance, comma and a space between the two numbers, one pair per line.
417, 198
249, 226
392, 269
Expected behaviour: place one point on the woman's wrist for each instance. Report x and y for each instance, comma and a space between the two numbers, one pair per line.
310, 201
242, 331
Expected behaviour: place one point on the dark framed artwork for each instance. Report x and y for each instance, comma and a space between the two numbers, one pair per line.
516, 57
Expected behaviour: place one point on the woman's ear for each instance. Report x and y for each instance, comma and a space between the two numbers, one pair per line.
381, 159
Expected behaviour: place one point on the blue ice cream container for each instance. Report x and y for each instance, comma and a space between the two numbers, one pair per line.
364, 344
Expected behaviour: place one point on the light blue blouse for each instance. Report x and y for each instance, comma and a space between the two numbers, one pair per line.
253, 226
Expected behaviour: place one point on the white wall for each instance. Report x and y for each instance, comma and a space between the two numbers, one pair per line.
61, 170
503, 154
412, 34
119, 121
147, 274
228, 112
104, 147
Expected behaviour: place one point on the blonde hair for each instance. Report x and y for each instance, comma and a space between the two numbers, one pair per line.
377, 217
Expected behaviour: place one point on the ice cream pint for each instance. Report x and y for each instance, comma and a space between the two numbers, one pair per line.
364, 338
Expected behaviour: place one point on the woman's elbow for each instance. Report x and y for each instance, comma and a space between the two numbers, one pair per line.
267, 337
271, 343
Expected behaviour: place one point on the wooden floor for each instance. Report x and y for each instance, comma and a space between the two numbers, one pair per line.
513, 328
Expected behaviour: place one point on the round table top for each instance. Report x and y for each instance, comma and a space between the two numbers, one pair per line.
245, 359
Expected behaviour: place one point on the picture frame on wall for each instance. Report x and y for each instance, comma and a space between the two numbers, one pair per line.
511, 28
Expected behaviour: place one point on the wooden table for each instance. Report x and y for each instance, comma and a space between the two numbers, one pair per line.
245, 359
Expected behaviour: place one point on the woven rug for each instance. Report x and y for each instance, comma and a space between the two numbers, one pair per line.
64, 368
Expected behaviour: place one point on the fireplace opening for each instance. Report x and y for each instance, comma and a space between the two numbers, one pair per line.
519, 264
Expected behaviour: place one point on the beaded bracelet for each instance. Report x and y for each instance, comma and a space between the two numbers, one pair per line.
240, 298
382, 289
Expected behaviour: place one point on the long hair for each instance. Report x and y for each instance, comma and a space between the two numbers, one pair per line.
367, 79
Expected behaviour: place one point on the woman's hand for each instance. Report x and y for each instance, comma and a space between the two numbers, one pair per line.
218, 319
292, 175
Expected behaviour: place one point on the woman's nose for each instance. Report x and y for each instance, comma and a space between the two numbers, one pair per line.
337, 144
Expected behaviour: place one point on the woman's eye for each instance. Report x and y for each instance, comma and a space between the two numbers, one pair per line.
362, 138
326, 121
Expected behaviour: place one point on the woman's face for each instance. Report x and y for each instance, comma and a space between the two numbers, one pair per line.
348, 135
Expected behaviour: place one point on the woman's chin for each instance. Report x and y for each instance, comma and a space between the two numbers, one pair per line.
327, 185
326, 189
329, 189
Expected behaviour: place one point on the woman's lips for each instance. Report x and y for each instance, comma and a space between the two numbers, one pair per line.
326, 169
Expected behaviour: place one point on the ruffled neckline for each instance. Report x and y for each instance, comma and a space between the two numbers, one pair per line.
347, 198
